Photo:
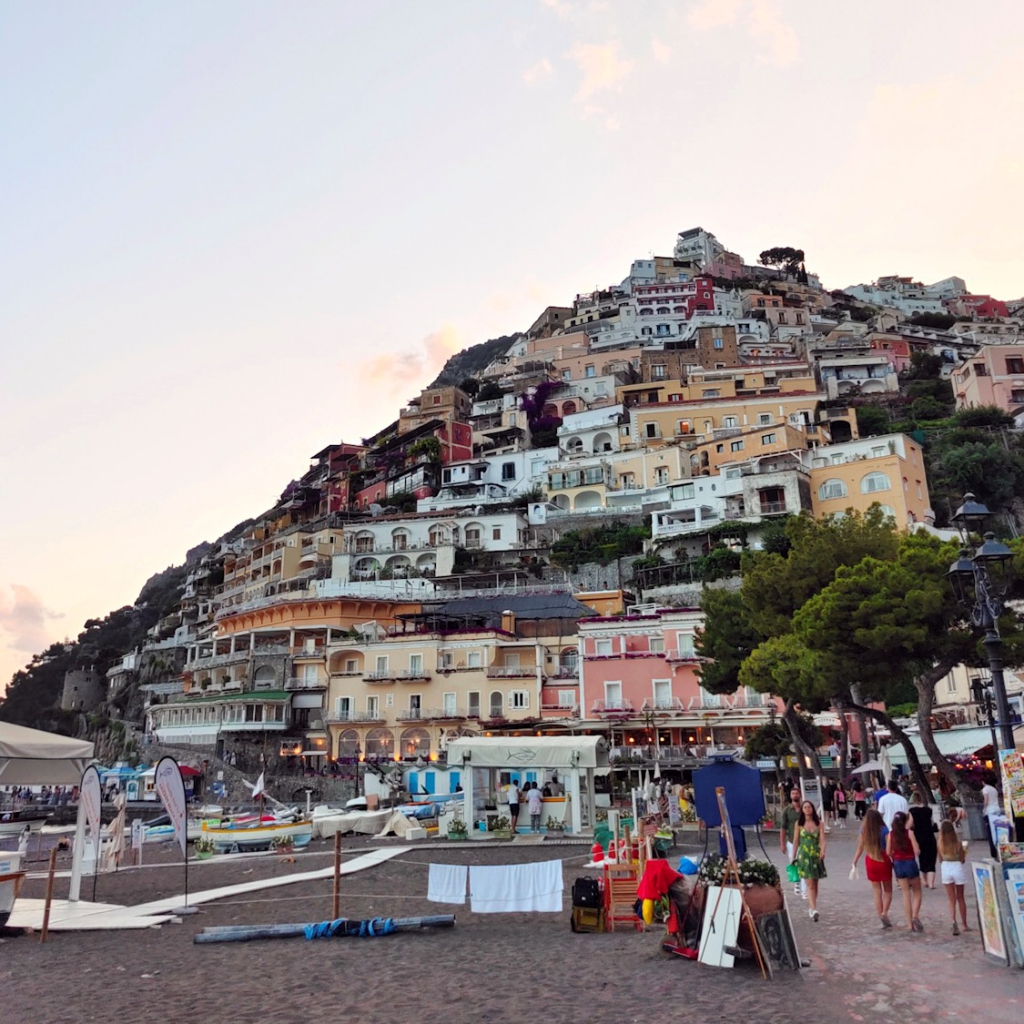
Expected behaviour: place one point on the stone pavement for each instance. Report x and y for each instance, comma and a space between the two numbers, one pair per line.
861, 972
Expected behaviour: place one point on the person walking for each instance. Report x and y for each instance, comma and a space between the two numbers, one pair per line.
841, 805
860, 799
787, 830
828, 804
877, 866
535, 802
990, 809
809, 843
513, 803
953, 872
924, 833
891, 803
903, 851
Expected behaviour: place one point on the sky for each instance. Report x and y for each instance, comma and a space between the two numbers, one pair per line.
233, 233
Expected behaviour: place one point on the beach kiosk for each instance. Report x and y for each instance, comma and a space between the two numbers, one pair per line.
566, 764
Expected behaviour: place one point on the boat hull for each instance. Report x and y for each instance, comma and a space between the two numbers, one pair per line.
10, 884
16, 826
247, 838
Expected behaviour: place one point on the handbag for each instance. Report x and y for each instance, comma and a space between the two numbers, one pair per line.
792, 874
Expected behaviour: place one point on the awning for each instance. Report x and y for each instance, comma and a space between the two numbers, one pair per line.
952, 741
30, 757
517, 752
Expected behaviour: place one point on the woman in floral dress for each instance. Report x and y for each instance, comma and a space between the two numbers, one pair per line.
809, 843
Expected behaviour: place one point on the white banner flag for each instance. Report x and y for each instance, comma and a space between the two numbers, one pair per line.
91, 794
170, 787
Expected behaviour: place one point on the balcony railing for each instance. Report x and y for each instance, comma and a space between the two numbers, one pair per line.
346, 672
339, 717
511, 671
410, 715
612, 707
681, 655
668, 705
444, 714
379, 678
564, 672
566, 710
367, 716
772, 507
302, 683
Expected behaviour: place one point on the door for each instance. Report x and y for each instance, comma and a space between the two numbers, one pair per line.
415, 705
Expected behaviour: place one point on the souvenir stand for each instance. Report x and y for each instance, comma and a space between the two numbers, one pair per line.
488, 763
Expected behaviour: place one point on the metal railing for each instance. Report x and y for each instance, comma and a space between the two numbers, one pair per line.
301, 683
602, 707
568, 710
511, 672
669, 704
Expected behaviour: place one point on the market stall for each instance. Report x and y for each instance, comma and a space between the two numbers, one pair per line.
568, 763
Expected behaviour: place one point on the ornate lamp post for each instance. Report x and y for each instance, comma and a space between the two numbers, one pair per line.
980, 581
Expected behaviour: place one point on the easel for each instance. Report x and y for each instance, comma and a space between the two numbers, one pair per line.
731, 877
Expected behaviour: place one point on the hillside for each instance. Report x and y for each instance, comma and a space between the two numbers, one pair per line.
471, 361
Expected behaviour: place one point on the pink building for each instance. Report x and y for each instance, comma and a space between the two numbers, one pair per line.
639, 682
995, 376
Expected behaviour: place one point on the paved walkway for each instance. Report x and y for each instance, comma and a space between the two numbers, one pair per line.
863, 972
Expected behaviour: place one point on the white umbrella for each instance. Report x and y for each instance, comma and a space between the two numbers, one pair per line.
885, 763
867, 766
657, 769
115, 847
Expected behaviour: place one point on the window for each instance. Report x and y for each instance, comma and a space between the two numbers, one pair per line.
373, 706
448, 703
662, 693
613, 695
382, 663
497, 704
472, 536
661, 476
736, 446
416, 664
588, 370
567, 375
602, 647
473, 703
831, 489
519, 700
508, 471
782, 318
730, 421
437, 399
651, 430
351, 666
1015, 365
764, 419
710, 393
566, 698
718, 343
656, 644
474, 659
663, 330
627, 481
513, 419
887, 510
658, 371
682, 492
875, 482
496, 533
767, 439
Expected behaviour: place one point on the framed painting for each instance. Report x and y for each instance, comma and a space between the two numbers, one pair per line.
993, 941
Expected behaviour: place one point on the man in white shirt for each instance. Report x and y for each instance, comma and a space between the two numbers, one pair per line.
990, 809
892, 804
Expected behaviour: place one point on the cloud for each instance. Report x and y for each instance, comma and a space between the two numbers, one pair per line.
394, 373
559, 7
714, 14
762, 20
660, 51
601, 65
539, 71
25, 619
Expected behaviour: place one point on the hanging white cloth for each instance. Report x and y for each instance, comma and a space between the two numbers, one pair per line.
446, 883
516, 888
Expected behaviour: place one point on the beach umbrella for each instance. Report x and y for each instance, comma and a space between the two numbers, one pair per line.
115, 848
657, 769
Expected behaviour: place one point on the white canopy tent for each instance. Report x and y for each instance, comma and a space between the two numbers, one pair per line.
31, 757
575, 758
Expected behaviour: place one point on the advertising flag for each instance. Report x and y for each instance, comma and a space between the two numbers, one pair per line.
170, 787
91, 794
258, 789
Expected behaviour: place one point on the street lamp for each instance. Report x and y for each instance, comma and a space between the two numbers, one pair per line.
980, 581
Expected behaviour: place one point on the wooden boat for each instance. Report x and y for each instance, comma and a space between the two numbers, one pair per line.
247, 834
12, 823
10, 884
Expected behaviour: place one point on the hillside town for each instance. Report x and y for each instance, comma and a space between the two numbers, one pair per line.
524, 550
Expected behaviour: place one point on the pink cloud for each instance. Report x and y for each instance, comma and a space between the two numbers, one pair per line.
24, 618
394, 374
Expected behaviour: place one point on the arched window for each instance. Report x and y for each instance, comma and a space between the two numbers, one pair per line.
568, 662
415, 743
400, 539
888, 510
832, 489
264, 679
348, 743
497, 704
875, 482
380, 743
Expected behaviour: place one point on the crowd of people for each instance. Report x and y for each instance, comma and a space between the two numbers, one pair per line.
906, 840
49, 796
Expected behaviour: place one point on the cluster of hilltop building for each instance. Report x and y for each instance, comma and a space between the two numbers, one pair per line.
401, 592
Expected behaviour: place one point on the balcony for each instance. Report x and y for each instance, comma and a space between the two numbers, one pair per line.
681, 655
612, 707
445, 714
564, 672
301, 683
411, 715
253, 726
669, 705
563, 710
339, 717
346, 673
511, 671
366, 716
379, 678
769, 508
412, 676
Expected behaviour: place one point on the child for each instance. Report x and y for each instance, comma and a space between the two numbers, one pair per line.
954, 873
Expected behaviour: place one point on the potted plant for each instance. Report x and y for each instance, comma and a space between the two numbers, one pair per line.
759, 879
203, 847
458, 830
501, 827
282, 844
554, 826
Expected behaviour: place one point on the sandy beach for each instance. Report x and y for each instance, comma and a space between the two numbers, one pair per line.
497, 967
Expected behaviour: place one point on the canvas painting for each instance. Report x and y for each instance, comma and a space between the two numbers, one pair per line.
992, 940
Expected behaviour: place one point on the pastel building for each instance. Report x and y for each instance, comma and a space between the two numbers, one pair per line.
640, 683
995, 376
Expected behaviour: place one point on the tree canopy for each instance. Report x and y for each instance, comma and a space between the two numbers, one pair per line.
782, 256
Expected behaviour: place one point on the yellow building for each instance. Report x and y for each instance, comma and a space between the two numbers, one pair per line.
888, 470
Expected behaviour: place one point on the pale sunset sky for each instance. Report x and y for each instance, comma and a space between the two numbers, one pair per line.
232, 233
